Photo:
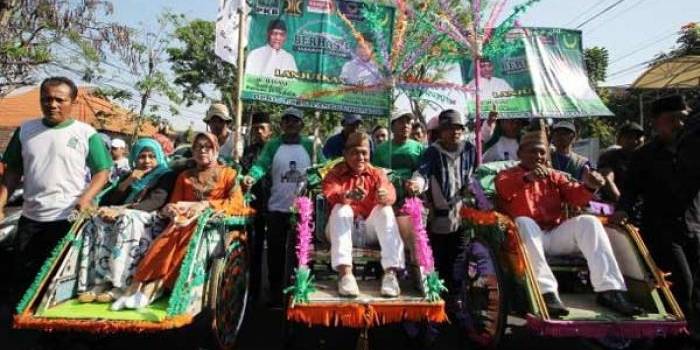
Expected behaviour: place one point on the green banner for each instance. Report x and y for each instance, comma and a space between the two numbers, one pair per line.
302, 53
539, 73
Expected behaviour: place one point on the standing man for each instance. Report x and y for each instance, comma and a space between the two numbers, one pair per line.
286, 159
502, 143
419, 133
444, 172
380, 134
121, 162
335, 145
401, 154
271, 59
666, 183
564, 158
614, 164
532, 194
261, 131
218, 121
51, 154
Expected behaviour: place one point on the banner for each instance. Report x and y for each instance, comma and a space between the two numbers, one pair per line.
302, 53
227, 26
539, 73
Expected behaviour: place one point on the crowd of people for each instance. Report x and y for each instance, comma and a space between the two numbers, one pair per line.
148, 206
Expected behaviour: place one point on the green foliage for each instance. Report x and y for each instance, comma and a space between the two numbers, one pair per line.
596, 60
69, 34
197, 69
688, 42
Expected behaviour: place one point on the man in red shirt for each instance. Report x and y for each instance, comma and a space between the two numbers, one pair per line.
358, 191
532, 194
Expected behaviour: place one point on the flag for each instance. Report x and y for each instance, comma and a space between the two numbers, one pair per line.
227, 24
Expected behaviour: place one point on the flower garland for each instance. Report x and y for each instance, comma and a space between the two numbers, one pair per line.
432, 284
303, 280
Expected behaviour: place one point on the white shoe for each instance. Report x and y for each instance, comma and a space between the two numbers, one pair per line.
139, 301
119, 304
347, 286
390, 285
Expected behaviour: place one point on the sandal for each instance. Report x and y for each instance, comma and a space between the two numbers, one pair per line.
110, 296
87, 297
91, 295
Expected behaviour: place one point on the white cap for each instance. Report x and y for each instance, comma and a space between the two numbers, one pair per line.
400, 113
118, 143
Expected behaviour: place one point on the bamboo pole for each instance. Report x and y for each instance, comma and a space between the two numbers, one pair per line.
239, 87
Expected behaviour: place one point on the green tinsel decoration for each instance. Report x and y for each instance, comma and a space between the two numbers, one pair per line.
434, 286
303, 286
497, 45
236, 220
181, 295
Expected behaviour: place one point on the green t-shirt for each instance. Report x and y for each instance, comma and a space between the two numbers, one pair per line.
402, 159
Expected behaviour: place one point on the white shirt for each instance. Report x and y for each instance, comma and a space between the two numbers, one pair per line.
263, 61
488, 87
120, 167
226, 149
54, 161
505, 149
288, 170
359, 72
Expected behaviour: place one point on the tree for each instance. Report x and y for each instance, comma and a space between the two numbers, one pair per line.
145, 57
688, 42
596, 60
197, 69
31, 31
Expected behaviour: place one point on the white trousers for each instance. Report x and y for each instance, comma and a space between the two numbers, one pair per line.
381, 226
584, 234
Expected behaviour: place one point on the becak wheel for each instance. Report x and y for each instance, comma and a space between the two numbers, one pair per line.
482, 312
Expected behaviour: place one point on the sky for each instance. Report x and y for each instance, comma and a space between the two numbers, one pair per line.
633, 31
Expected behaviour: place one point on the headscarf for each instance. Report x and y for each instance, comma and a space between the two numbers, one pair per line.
138, 186
203, 180
214, 141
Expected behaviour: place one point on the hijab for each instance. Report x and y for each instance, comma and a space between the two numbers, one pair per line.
148, 180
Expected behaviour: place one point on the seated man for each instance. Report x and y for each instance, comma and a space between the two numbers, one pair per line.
354, 188
532, 194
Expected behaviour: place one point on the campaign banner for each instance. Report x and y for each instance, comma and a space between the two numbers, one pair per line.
538, 73
303, 53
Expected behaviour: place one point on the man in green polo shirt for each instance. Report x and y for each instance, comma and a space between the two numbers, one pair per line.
52, 155
402, 154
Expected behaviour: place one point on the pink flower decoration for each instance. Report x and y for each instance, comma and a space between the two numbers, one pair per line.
305, 208
414, 208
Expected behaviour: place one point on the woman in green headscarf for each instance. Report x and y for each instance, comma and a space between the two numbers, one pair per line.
124, 226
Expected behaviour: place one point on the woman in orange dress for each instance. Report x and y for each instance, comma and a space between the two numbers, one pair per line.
208, 185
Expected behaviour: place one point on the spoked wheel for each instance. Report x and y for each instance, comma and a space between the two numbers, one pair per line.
231, 296
482, 310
